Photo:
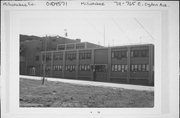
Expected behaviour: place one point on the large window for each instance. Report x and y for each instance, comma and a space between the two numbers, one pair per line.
119, 68
80, 46
70, 46
48, 57
100, 68
84, 67
71, 56
84, 55
57, 67
58, 56
139, 67
70, 68
119, 54
61, 47
140, 53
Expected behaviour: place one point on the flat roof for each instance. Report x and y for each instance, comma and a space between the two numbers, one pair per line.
100, 48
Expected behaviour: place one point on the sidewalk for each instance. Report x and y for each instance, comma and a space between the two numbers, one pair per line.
94, 83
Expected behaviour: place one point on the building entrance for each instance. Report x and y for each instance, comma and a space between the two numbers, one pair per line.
100, 72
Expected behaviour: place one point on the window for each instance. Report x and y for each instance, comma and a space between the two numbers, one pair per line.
48, 57
58, 56
144, 53
69, 68
103, 68
97, 68
126, 67
132, 53
85, 55
147, 67
43, 57
115, 68
115, 54
123, 68
84, 67
135, 67
139, 67
143, 67
123, 54
61, 57
112, 54
112, 68
140, 53
88, 55
132, 67
80, 67
37, 58
74, 67
66, 56
60, 68
61, 47
119, 54
135, 53
80, 55
88, 67
66, 68
55, 57
74, 56
119, 67
71, 56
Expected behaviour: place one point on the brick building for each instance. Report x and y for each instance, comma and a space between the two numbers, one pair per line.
31, 47
72, 59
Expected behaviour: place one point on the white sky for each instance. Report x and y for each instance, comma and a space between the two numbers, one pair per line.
118, 28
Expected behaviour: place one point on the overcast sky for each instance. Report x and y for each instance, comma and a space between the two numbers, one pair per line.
109, 28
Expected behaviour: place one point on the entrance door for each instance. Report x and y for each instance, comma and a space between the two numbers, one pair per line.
100, 72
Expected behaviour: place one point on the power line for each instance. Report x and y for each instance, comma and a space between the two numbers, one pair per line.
120, 28
144, 28
104, 35
93, 27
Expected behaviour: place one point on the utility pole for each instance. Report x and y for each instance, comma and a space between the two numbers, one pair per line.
113, 42
44, 61
104, 35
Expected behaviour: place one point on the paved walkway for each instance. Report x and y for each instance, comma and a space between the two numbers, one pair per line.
93, 83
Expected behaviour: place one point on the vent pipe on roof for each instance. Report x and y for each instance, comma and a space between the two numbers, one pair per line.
78, 40
66, 34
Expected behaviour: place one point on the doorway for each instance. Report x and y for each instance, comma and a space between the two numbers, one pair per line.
100, 72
